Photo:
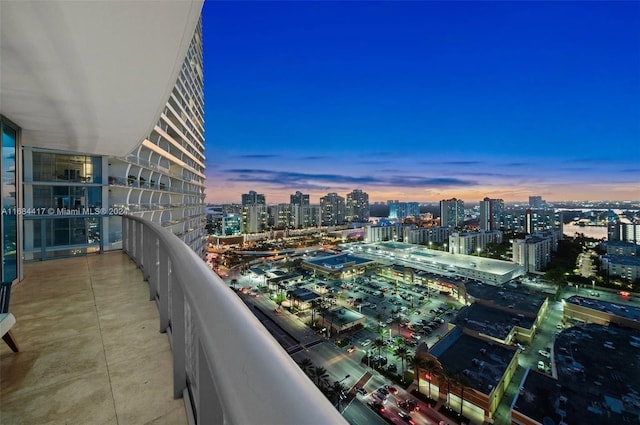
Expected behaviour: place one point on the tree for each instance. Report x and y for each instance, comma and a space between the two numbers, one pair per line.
449, 378
306, 365
431, 367
403, 354
335, 392
463, 382
321, 376
379, 344
315, 305
418, 363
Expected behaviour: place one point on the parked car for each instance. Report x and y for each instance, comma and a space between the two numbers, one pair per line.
544, 353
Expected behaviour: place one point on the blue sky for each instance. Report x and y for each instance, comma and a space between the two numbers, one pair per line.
421, 101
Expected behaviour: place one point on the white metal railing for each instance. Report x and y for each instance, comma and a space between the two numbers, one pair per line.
226, 365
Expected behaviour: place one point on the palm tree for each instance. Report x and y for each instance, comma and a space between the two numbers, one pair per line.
430, 366
321, 376
306, 365
379, 344
335, 392
402, 353
418, 363
449, 378
315, 304
463, 382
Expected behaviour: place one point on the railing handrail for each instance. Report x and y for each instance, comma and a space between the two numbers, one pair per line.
253, 378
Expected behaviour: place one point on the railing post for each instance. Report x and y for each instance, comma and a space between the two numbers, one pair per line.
178, 333
153, 270
138, 241
125, 235
209, 407
164, 277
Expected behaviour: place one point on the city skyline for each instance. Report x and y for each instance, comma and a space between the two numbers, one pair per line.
423, 101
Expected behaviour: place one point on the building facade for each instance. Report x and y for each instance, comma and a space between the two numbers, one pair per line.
452, 212
491, 214
473, 243
162, 180
332, 207
357, 207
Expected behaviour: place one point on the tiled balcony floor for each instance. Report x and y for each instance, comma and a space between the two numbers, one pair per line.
90, 349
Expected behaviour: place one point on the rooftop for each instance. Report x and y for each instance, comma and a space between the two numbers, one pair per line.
90, 349
491, 321
621, 310
521, 299
482, 362
337, 262
582, 356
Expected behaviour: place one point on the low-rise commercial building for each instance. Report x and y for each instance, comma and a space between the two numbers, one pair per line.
478, 371
596, 380
578, 309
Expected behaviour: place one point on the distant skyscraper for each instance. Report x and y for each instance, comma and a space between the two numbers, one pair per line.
253, 198
299, 198
536, 202
402, 210
491, 212
452, 212
357, 206
332, 209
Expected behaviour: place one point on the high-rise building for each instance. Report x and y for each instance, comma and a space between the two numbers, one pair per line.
402, 210
536, 202
161, 179
491, 213
253, 198
452, 212
473, 243
332, 209
299, 198
357, 207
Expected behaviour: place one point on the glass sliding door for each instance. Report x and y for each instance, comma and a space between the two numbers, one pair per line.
10, 242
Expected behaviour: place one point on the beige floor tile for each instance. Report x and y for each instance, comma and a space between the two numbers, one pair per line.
83, 400
91, 350
142, 394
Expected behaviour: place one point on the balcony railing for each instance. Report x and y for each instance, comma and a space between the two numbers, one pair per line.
226, 365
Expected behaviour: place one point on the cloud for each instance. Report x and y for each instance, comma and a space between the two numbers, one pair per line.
517, 164
259, 156
318, 181
462, 162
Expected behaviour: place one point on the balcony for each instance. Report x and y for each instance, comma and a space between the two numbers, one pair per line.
90, 350
94, 349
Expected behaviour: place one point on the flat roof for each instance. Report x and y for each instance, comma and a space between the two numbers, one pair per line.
339, 261
522, 298
482, 362
303, 294
444, 262
595, 384
491, 321
341, 316
621, 310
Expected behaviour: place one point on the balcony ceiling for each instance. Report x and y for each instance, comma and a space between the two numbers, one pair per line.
91, 76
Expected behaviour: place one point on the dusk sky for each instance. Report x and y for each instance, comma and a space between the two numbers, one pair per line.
422, 101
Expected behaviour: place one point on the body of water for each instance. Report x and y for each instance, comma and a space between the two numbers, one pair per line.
597, 232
